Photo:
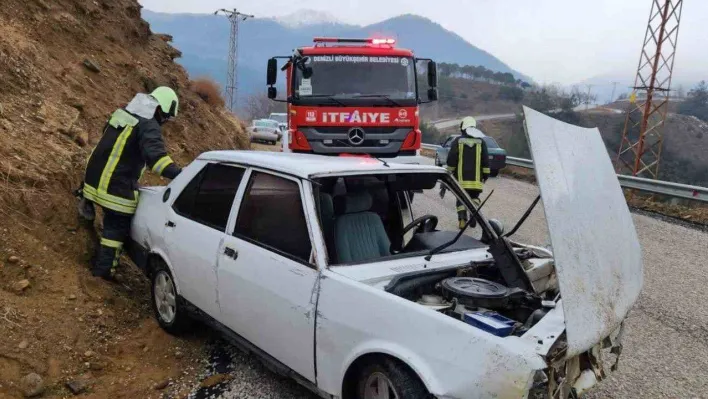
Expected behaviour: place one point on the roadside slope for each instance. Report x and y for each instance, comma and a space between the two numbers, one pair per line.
64, 66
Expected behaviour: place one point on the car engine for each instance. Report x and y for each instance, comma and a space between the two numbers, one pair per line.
475, 295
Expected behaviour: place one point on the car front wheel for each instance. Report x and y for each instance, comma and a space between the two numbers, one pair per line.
170, 314
388, 379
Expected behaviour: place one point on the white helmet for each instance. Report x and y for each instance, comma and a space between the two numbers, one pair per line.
467, 122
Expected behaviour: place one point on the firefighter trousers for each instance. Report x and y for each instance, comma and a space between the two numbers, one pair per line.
116, 227
462, 210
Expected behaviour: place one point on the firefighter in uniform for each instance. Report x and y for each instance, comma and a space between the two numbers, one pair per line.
468, 161
132, 139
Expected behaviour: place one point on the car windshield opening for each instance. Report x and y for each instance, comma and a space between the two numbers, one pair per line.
384, 80
372, 218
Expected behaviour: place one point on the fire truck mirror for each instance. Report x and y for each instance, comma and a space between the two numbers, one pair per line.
272, 72
433, 94
272, 92
432, 75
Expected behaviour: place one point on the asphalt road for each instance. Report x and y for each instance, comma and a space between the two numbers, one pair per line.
666, 346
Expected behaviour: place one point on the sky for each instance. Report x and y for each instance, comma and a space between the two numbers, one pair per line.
553, 41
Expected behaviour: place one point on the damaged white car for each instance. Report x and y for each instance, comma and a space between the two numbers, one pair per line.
326, 269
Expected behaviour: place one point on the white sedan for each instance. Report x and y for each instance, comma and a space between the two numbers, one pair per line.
265, 130
325, 269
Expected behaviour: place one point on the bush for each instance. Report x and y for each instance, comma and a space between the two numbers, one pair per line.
209, 91
510, 93
485, 97
430, 134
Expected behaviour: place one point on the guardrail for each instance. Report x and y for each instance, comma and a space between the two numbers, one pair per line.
672, 189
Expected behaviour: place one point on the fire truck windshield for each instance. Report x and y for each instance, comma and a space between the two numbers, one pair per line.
357, 80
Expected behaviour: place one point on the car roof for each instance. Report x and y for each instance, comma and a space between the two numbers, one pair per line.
309, 165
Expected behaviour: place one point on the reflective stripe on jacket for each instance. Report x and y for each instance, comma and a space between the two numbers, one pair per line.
129, 142
468, 161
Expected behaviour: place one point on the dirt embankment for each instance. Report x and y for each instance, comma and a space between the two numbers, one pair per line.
65, 65
460, 97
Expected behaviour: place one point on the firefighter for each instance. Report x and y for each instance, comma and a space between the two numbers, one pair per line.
468, 161
132, 139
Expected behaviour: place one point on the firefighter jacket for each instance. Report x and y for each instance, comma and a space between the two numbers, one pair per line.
129, 143
468, 161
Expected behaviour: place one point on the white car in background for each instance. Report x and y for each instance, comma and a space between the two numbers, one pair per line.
357, 292
265, 130
282, 119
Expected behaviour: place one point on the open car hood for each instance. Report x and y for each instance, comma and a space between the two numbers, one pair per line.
597, 253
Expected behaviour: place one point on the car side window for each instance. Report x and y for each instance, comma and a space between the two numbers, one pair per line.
208, 198
271, 215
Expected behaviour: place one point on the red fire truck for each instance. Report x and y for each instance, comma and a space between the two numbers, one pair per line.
353, 96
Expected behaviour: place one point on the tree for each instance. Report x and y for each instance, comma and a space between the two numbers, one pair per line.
508, 78
260, 106
696, 104
477, 72
540, 100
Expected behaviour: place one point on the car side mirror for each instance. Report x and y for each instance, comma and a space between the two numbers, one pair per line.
432, 75
272, 72
272, 92
497, 226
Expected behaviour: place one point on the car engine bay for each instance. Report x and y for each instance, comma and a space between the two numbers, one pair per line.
477, 294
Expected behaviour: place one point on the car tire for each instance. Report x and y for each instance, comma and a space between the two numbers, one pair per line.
169, 312
400, 381
494, 173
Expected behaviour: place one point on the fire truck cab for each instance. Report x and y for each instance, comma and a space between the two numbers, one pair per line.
353, 96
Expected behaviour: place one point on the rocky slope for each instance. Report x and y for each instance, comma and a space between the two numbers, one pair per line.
65, 65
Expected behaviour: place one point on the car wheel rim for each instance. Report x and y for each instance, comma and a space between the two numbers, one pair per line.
165, 298
378, 386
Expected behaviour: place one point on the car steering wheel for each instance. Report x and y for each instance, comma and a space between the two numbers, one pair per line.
425, 223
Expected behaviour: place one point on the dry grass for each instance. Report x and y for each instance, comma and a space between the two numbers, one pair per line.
209, 91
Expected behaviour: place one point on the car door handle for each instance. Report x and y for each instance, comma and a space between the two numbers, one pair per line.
170, 223
231, 253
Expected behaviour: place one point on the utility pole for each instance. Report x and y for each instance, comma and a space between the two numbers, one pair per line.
642, 138
231, 92
614, 86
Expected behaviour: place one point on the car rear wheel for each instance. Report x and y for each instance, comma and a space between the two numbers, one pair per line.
389, 379
170, 314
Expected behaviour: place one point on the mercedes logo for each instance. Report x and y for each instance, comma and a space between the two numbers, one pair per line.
356, 135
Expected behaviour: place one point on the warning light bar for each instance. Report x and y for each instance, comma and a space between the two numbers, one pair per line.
342, 40
383, 41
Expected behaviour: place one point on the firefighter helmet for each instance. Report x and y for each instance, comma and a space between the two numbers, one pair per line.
467, 122
167, 98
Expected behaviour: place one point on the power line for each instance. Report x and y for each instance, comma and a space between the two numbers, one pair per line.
231, 92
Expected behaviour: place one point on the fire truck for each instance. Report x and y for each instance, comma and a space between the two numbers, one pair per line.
353, 96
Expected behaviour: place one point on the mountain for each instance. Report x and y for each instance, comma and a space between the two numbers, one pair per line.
306, 17
603, 86
203, 40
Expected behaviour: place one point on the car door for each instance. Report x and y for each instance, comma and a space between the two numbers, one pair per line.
267, 274
195, 231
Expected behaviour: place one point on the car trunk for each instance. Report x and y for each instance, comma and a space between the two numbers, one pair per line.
596, 250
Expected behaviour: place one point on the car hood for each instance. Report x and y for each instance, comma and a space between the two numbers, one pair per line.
597, 254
